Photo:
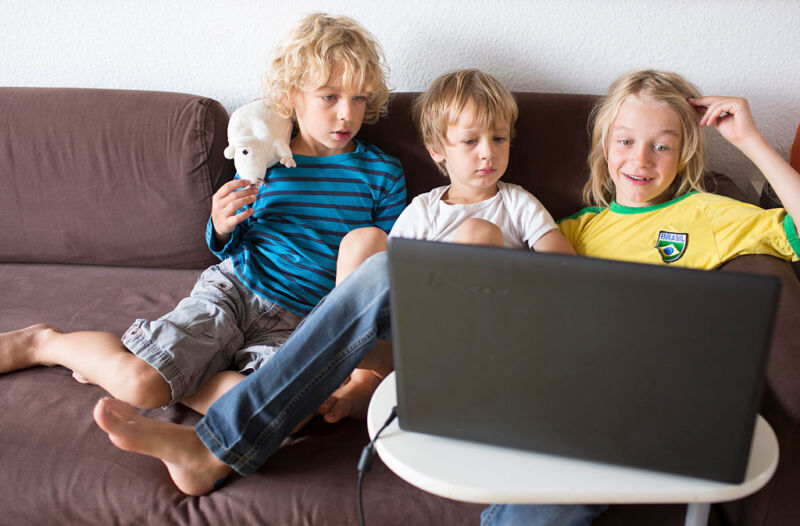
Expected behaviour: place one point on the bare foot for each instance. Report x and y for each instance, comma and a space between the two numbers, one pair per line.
379, 359
18, 349
302, 424
80, 378
193, 468
352, 398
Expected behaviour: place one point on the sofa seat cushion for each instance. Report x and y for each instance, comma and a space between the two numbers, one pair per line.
88, 297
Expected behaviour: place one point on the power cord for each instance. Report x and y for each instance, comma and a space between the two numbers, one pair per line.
365, 462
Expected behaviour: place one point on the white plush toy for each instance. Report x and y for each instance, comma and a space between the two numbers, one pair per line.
257, 139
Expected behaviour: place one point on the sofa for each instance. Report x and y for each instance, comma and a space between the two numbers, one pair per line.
105, 197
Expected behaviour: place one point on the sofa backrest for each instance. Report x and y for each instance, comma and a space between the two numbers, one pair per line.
110, 177
118, 177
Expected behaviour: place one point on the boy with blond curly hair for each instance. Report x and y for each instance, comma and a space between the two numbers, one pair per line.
278, 243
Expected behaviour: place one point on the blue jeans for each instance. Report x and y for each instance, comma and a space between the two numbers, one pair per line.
247, 424
540, 515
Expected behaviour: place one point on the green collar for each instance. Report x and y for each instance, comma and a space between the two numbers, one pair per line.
629, 210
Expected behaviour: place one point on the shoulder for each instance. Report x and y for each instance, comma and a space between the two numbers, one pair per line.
430, 198
695, 198
516, 195
712, 205
584, 214
370, 153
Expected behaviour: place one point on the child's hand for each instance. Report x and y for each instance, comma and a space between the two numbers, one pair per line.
224, 204
730, 115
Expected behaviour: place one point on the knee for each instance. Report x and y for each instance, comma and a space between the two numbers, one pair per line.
357, 246
475, 231
144, 387
362, 242
370, 278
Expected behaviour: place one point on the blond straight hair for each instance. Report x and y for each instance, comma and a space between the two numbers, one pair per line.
444, 101
662, 87
316, 46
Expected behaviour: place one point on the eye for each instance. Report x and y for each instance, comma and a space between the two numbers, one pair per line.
360, 98
469, 142
329, 98
245, 152
661, 148
500, 138
625, 142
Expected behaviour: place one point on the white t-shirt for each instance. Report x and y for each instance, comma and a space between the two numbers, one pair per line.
518, 214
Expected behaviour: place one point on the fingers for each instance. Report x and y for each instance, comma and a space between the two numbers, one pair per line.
226, 203
714, 108
228, 191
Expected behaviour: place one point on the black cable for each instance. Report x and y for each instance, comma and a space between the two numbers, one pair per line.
365, 462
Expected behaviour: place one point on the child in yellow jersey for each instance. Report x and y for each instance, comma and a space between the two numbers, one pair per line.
646, 180
649, 206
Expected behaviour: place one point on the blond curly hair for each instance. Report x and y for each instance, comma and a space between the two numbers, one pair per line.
316, 46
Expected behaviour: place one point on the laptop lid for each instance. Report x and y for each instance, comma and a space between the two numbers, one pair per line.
642, 365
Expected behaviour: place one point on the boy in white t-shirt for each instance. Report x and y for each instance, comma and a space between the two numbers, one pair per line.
466, 119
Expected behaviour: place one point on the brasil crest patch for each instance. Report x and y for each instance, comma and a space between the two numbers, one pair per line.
671, 245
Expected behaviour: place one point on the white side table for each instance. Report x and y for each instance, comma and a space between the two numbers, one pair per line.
479, 473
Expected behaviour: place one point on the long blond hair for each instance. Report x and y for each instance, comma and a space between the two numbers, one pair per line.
663, 87
313, 49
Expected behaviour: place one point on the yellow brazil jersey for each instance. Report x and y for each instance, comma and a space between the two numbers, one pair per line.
697, 230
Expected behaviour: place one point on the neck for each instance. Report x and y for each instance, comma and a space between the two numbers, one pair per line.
300, 146
462, 196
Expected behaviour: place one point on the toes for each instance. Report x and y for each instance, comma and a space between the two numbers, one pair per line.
80, 378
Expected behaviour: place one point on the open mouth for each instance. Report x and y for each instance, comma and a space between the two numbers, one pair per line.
341, 135
637, 178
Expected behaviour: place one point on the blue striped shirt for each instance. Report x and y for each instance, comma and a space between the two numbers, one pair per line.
286, 251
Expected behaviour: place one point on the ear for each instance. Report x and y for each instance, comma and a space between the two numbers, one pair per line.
436, 156
229, 152
287, 101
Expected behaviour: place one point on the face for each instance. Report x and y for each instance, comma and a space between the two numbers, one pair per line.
644, 146
476, 157
327, 118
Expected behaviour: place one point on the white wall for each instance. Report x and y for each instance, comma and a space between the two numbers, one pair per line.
220, 48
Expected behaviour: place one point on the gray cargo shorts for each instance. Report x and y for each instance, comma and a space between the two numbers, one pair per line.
221, 325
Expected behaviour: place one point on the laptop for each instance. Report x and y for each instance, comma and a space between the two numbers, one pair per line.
639, 365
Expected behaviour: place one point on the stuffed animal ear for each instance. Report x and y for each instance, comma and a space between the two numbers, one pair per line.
229, 151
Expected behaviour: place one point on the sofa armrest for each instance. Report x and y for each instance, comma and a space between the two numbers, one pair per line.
111, 177
777, 502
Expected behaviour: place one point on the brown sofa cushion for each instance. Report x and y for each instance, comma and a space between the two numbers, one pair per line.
73, 159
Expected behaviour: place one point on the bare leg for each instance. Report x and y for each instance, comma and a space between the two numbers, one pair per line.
18, 348
218, 385
192, 467
356, 247
94, 357
209, 392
